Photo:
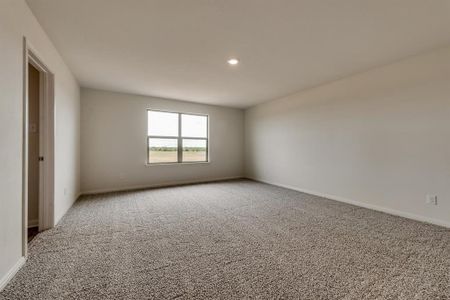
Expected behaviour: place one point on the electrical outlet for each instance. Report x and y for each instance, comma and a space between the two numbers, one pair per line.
431, 199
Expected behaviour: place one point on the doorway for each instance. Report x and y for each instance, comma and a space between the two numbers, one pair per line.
38, 147
33, 151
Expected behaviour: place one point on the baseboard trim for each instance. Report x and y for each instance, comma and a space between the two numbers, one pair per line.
159, 185
361, 204
33, 223
12, 272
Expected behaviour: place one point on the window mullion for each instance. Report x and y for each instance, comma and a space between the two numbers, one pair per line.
180, 141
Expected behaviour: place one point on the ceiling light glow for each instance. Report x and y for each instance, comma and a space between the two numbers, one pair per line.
233, 61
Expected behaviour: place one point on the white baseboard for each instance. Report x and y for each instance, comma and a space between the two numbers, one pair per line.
158, 185
33, 223
8, 276
361, 204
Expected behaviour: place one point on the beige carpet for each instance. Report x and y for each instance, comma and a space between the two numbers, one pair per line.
232, 240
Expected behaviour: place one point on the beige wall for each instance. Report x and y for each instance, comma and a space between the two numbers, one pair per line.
33, 146
113, 142
17, 21
379, 139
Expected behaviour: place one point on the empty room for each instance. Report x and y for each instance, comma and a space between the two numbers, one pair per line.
225, 149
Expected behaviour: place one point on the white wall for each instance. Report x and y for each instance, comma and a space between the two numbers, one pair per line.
16, 21
113, 142
379, 138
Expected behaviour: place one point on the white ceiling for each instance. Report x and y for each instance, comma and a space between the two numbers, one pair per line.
178, 49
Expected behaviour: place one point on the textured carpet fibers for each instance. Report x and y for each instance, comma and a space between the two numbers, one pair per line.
232, 240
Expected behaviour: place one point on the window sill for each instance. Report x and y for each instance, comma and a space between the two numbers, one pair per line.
176, 163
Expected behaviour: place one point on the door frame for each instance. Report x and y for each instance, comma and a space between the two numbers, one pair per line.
46, 143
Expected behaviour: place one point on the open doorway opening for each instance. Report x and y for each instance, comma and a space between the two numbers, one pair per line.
38, 147
33, 151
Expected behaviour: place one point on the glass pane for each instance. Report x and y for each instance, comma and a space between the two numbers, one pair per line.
194, 126
162, 123
194, 150
162, 150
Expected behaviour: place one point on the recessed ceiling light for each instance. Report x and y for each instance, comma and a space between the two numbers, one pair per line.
233, 61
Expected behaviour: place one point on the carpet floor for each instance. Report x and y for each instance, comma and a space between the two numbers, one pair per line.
232, 240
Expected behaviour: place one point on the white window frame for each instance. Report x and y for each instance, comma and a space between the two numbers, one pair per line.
179, 139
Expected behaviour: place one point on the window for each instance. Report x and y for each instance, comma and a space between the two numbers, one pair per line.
176, 137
